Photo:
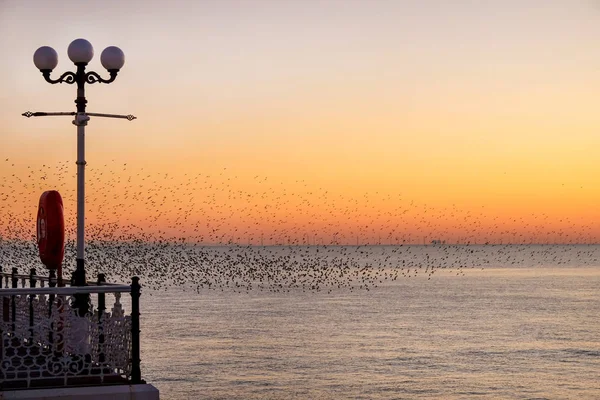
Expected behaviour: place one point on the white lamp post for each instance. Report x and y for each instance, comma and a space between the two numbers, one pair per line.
81, 52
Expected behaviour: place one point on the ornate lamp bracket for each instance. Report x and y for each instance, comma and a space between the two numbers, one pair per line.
93, 77
68, 77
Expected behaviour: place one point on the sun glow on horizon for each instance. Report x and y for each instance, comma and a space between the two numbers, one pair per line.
225, 206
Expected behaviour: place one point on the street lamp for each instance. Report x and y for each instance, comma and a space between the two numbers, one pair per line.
81, 52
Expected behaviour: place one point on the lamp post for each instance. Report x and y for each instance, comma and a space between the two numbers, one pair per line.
81, 52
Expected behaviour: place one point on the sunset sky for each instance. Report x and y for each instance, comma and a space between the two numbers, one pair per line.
482, 107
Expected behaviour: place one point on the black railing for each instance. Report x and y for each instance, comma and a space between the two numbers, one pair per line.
46, 342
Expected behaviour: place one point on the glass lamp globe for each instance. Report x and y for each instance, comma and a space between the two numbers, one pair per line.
45, 58
112, 58
80, 51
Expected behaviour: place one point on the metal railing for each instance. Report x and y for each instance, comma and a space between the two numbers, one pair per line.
46, 340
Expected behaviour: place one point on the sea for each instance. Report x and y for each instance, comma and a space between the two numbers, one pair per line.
517, 322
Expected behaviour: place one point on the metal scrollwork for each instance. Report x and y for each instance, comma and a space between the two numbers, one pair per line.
72, 77
93, 77
68, 77
61, 345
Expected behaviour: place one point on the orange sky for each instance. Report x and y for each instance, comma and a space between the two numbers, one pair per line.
487, 108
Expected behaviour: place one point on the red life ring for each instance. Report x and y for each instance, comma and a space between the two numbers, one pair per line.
51, 229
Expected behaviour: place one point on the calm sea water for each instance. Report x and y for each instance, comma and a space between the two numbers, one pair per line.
514, 330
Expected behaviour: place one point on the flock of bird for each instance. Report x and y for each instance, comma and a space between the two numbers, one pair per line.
220, 231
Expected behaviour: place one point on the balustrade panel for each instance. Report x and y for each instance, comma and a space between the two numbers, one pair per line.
61, 347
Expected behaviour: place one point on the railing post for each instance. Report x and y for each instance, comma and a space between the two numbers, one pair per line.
5, 312
82, 300
101, 308
31, 284
136, 374
5, 301
4, 315
51, 283
15, 282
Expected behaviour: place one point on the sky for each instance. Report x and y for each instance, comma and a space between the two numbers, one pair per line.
484, 108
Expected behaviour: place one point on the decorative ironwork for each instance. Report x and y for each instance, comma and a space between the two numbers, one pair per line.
68, 77
44, 340
30, 114
93, 77
127, 117
80, 77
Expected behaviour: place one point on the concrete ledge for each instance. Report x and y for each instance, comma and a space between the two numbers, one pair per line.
117, 392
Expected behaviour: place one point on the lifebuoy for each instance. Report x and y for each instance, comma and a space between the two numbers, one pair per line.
51, 229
